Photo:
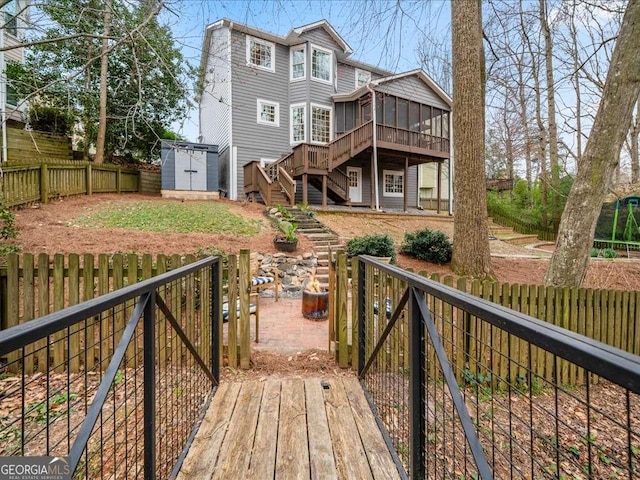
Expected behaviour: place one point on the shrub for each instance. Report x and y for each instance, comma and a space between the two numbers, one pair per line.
53, 120
432, 246
376, 245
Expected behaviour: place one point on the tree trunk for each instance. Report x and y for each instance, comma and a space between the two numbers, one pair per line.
576, 84
104, 64
635, 133
471, 255
551, 114
569, 262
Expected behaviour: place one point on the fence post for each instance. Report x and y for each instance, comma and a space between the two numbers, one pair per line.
416, 382
361, 319
149, 380
44, 184
216, 317
119, 180
244, 286
89, 180
341, 308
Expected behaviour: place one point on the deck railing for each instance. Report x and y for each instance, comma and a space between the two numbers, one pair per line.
133, 414
468, 389
400, 136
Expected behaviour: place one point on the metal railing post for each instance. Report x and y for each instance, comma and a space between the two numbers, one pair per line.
361, 316
416, 387
216, 299
149, 379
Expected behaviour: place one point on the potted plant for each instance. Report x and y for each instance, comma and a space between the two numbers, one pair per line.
287, 242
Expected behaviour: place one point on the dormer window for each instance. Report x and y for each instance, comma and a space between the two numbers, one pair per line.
362, 78
321, 64
260, 54
298, 62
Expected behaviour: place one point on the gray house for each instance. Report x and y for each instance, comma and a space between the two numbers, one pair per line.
296, 119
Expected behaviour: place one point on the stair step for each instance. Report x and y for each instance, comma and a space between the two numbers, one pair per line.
307, 231
521, 239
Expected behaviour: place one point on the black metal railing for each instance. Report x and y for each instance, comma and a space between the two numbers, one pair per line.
465, 388
150, 363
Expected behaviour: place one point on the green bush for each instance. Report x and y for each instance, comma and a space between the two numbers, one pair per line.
53, 120
425, 244
376, 245
604, 253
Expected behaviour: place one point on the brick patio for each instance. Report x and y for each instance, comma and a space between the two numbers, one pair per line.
283, 329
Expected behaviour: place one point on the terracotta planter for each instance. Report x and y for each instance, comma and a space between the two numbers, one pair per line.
284, 245
315, 306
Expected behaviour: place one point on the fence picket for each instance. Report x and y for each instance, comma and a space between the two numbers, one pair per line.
58, 304
341, 301
74, 298
88, 268
103, 287
232, 323
12, 299
244, 284
43, 309
28, 312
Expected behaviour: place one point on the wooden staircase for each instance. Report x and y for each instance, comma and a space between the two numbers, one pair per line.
320, 164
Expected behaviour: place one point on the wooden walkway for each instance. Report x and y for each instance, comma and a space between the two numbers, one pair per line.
291, 428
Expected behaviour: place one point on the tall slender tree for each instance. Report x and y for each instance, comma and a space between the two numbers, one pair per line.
471, 254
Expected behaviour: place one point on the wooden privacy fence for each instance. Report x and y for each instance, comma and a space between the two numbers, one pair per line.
609, 316
33, 286
38, 183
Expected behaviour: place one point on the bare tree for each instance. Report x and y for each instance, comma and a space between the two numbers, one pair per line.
634, 140
611, 125
471, 254
104, 66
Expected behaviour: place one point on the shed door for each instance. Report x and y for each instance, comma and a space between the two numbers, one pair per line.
191, 169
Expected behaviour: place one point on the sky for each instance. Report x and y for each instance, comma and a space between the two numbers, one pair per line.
378, 31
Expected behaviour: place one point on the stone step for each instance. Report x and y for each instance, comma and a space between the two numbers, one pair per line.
520, 239
308, 230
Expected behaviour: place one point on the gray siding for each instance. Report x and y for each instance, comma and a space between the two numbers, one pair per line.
299, 91
254, 140
215, 102
346, 78
168, 156
414, 89
397, 203
320, 37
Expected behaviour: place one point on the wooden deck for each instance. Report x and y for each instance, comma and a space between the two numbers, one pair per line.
291, 428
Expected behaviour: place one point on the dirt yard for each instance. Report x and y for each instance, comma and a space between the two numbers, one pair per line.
47, 228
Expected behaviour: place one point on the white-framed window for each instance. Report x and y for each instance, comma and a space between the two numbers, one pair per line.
268, 113
362, 78
261, 54
298, 62
10, 17
393, 181
298, 123
321, 123
321, 64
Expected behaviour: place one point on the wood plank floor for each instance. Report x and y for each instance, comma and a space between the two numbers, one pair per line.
290, 428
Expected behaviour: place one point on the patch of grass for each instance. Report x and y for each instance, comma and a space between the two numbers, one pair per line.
170, 217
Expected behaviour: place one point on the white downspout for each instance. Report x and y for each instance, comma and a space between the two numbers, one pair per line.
375, 145
451, 163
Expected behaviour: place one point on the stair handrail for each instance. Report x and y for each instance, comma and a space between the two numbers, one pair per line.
288, 184
340, 180
264, 184
350, 144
